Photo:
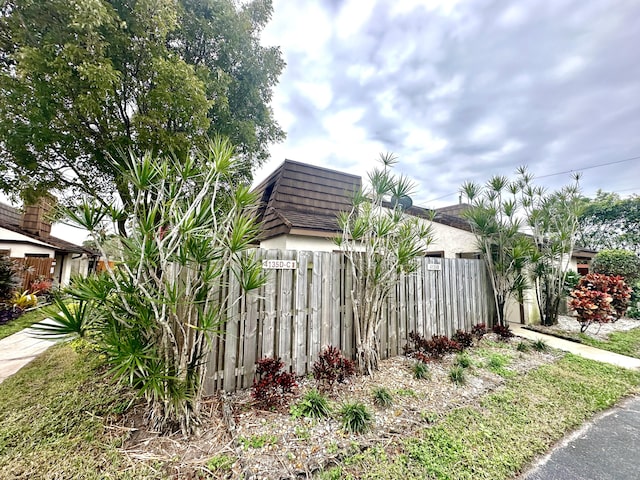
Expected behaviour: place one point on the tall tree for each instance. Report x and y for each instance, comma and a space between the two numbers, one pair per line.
553, 222
380, 242
84, 80
609, 222
523, 231
494, 220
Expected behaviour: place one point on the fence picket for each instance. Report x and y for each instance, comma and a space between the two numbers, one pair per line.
298, 311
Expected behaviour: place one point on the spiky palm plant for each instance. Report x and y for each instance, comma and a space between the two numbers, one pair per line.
159, 306
380, 242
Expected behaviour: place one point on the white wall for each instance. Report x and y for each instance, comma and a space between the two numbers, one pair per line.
18, 250
299, 242
452, 240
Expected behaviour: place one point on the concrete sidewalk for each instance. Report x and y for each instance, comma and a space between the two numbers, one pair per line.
585, 351
19, 349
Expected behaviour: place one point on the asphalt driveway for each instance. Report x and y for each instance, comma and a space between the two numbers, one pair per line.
607, 448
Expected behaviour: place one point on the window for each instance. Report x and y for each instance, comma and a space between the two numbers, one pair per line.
469, 255
36, 255
439, 254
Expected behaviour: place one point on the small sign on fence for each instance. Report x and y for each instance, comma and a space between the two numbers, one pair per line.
434, 266
279, 264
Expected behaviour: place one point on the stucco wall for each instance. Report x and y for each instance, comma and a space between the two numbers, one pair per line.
18, 250
452, 240
448, 239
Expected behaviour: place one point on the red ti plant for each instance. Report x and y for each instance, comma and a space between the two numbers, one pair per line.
600, 298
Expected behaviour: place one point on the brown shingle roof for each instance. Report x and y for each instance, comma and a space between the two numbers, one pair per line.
301, 196
454, 210
10, 219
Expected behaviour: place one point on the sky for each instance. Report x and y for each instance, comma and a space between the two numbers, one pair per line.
461, 90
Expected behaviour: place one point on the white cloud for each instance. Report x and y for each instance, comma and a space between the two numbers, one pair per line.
569, 67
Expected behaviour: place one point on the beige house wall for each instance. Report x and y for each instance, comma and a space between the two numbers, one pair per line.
449, 240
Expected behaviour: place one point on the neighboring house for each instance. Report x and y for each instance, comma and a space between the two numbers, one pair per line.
26, 235
299, 204
581, 260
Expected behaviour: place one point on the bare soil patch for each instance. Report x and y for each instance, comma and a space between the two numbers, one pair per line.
274, 444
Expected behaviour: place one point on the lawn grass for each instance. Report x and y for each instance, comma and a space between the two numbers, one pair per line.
54, 413
498, 438
24, 321
624, 343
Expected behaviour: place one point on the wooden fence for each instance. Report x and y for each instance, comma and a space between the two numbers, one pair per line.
300, 311
33, 268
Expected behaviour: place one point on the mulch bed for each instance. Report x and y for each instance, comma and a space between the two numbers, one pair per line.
274, 444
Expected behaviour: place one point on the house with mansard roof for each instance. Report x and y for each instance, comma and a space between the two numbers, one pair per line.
299, 205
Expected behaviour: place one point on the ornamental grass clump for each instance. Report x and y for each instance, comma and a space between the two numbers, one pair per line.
313, 405
355, 417
382, 397
421, 371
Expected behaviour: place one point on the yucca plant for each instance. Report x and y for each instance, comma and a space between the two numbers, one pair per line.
189, 224
380, 242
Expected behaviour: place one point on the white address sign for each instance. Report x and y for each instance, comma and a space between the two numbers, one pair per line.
279, 264
434, 266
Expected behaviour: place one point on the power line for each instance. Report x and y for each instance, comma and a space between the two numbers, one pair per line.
588, 168
561, 173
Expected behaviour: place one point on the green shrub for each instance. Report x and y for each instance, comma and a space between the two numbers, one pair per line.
463, 360
9, 279
497, 361
634, 302
313, 405
421, 371
221, 463
522, 347
457, 375
617, 262
382, 397
571, 281
356, 418
540, 345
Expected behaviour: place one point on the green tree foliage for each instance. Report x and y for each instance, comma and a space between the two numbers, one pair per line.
380, 242
154, 313
609, 222
83, 80
617, 262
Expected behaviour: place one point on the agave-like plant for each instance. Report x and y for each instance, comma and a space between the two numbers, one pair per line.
157, 305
